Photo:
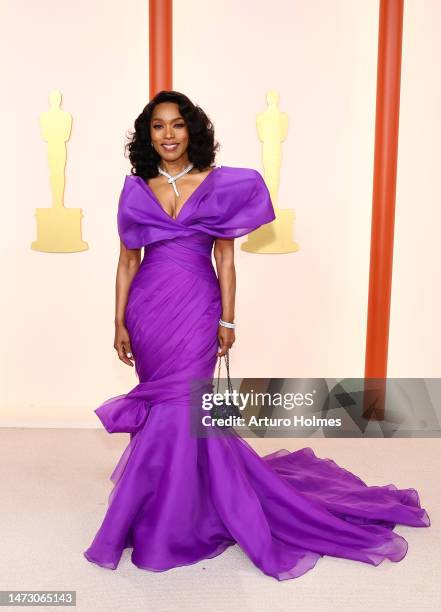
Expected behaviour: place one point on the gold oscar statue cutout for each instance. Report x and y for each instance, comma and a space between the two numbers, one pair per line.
275, 237
58, 228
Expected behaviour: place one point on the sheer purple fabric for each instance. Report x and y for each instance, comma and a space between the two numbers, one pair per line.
178, 499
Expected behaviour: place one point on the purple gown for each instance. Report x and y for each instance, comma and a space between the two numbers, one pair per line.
178, 499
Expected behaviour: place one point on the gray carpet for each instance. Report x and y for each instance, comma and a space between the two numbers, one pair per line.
55, 484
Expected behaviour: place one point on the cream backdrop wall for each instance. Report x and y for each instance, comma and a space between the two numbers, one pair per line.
298, 315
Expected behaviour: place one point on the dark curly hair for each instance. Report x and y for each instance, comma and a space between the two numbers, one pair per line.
201, 149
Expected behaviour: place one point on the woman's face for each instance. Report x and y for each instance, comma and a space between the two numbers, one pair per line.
167, 127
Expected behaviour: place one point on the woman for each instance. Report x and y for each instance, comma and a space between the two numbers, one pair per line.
180, 498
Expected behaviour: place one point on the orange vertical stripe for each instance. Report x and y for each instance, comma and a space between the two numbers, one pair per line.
160, 45
384, 186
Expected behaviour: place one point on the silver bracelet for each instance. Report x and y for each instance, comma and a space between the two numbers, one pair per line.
226, 324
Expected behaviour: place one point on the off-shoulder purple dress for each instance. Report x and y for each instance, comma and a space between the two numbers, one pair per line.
178, 498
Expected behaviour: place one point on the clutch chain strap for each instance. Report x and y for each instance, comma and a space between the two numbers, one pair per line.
227, 364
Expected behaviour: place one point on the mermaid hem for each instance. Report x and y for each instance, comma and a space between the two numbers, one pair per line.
113, 566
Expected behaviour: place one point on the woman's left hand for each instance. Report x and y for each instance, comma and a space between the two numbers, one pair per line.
226, 339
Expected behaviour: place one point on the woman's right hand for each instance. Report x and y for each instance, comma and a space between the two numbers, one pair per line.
122, 344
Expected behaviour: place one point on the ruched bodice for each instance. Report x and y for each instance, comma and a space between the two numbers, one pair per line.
192, 253
196, 242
